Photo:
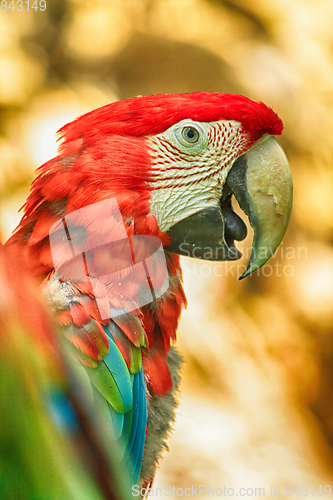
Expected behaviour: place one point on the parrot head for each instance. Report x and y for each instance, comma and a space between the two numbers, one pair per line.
202, 161
174, 163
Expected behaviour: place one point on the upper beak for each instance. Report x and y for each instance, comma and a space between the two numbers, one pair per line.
261, 182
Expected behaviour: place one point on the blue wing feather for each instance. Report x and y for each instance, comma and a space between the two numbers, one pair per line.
129, 426
137, 450
134, 450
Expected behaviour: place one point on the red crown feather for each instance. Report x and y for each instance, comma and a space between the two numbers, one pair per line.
153, 114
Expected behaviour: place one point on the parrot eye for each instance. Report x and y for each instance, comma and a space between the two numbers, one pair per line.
190, 135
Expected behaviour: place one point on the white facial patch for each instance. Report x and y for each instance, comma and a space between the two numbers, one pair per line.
190, 163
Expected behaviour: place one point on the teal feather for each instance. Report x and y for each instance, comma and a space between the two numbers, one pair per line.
121, 397
134, 450
113, 380
132, 354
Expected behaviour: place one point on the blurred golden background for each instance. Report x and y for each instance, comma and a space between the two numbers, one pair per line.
256, 409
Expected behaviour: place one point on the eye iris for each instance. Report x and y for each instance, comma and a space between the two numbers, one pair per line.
190, 134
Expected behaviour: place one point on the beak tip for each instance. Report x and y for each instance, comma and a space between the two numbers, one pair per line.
246, 273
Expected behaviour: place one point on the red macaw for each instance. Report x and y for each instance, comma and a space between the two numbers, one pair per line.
130, 176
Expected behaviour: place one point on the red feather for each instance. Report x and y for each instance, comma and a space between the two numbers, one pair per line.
132, 328
42, 227
90, 339
80, 314
64, 318
130, 117
158, 373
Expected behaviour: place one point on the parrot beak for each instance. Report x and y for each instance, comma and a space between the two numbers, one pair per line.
261, 182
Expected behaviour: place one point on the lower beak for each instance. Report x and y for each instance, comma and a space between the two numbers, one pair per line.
261, 182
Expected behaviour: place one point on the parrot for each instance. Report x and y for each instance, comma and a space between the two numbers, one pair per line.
52, 446
137, 184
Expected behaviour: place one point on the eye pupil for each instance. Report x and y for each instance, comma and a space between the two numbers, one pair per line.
190, 134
